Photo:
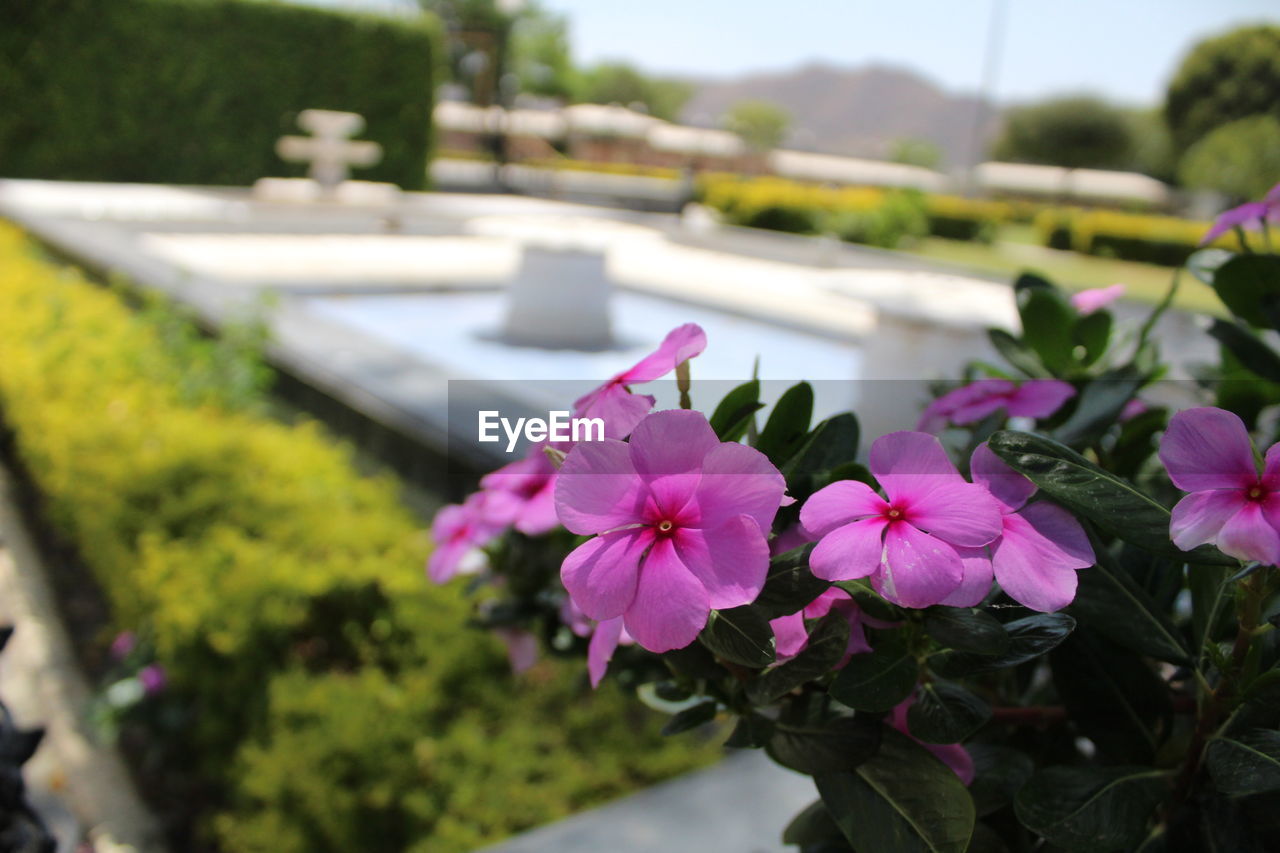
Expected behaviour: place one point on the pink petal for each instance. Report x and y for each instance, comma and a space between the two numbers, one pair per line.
838, 504
601, 648
910, 464
616, 406
956, 757
538, 516
1271, 469
731, 561
673, 441
976, 564
1006, 485
445, 560
822, 605
681, 344
671, 607
1248, 215
1198, 518
1039, 398
1208, 448
522, 648
790, 636
919, 570
601, 573
958, 513
598, 488
1248, 536
1088, 301
852, 551
795, 536
1036, 559
738, 480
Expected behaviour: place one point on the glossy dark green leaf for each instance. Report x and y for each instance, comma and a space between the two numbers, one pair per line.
788, 424
832, 443
1113, 697
877, 680
967, 629
839, 744
946, 713
1248, 348
1029, 638
903, 800
752, 732
811, 827
690, 718
741, 635
735, 411
1110, 601
1018, 354
1249, 285
1113, 504
789, 586
1092, 333
999, 772
828, 641
694, 661
1099, 406
870, 602
1089, 809
1047, 321
1248, 763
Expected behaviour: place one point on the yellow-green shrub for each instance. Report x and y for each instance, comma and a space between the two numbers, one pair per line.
282, 590
957, 218
1164, 240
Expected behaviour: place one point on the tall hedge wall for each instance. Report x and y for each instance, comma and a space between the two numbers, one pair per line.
197, 91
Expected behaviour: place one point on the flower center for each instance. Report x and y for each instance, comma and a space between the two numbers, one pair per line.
665, 526
1255, 494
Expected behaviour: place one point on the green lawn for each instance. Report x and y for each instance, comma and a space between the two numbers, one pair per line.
1013, 254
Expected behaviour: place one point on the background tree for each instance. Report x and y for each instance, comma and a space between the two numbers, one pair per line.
541, 57
762, 125
478, 33
620, 83
1152, 152
1223, 79
1240, 160
915, 152
1078, 132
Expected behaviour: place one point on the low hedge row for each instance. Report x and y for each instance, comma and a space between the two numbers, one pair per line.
1163, 240
329, 698
197, 91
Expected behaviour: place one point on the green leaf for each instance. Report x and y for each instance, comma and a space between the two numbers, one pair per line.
790, 586
735, 411
946, 713
1113, 697
1018, 354
1211, 593
1246, 764
1111, 503
839, 744
999, 772
1093, 333
788, 424
694, 661
1099, 406
1249, 285
870, 602
741, 635
832, 443
690, 718
1248, 348
1204, 264
1099, 809
878, 680
752, 732
967, 629
811, 827
1109, 600
1029, 638
904, 800
1047, 321
828, 642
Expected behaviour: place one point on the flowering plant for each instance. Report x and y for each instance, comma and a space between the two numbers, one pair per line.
1043, 619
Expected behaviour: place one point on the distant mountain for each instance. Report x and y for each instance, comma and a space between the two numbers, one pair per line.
854, 111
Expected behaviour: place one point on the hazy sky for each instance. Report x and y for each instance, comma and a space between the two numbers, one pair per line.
1126, 49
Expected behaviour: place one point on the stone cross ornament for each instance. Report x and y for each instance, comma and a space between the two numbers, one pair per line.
330, 149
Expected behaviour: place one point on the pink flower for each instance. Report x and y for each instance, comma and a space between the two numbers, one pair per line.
1035, 398
522, 648
529, 484
906, 543
605, 637
682, 521
622, 410
153, 679
123, 645
1039, 549
1207, 452
1249, 216
953, 755
460, 529
792, 638
1088, 301
1133, 408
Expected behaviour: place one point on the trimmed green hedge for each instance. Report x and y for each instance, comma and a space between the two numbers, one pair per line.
198, 91
328, 697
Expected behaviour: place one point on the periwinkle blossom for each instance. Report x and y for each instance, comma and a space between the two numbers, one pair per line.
1249, 216
791, 637
529, 484
621, 409
1035, 398
153, 679
953, 755
522, 648
679, 523
1207, 452
906, 542
1038, 551
605, 637
1095, 299
460, 530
